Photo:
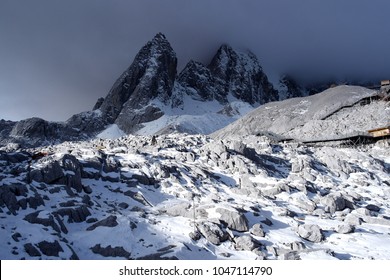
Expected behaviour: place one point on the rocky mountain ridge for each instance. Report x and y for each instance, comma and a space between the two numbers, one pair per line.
150, 88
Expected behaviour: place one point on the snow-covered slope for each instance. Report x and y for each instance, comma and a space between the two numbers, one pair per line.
333, 113
195, 116
191, 197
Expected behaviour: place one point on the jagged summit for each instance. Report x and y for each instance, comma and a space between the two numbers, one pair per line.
149, 89
241, 75
149, 97
151, 75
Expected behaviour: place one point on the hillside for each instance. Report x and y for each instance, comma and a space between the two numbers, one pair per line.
192, 197
333, 113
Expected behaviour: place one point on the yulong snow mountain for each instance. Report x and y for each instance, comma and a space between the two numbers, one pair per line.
150, 97
213, 162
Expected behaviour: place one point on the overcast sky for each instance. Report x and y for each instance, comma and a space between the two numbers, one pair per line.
57, 57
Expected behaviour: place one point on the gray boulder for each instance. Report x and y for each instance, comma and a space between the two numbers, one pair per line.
233, 220
8, 198
110, 221
245, 243
297, 246
212, 232
73, 171
373, 207
51, 249
75, 215
52, 172
180, 209
48, 220
257, 230
353, 220
31, 250
333, 203
345, 228
110, 251
311, 233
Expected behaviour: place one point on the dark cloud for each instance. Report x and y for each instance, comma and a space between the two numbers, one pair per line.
57, 57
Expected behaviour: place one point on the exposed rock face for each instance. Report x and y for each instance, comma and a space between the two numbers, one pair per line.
289, 88
32, 128
110, 251
199, 82
85, 124
50, 248
110, 221
242, 76
151, 75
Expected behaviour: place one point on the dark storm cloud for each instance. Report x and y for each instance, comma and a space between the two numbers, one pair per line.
57, 57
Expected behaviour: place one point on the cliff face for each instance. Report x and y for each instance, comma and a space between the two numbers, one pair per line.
241, 75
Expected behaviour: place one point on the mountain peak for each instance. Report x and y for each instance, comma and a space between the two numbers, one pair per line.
159, 36
151, 75
241, 75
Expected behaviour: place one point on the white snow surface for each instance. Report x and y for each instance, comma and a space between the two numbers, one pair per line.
194, 116
160, 193
111, 132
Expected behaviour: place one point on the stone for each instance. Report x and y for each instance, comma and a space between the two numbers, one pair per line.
51, 249
8, 198
48, 220
87, 189
123, 205
297, 246
352, 219
73, 171
311, 233
143, 179
110, 251
35, 201
16, 236
52, 172
377, 220
212, 232
345, 228
245, 243
233, 219
257, 230
75, 214
292, 255
31, 250
195, 235
303, 202
180, 209
373, 208
110, 221
333, 203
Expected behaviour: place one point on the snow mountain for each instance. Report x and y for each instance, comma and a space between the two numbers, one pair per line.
151, 98
244, 192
